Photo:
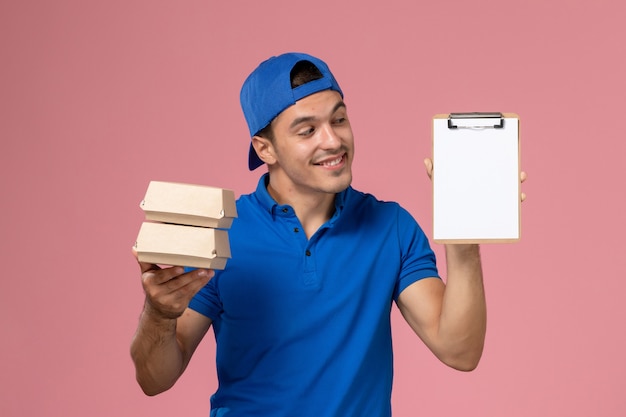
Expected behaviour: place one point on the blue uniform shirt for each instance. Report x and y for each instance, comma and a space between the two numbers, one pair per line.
303, 325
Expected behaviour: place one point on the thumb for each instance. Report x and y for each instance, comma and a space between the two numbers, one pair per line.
428, 163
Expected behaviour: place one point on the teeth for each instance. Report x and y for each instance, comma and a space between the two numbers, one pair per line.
333, 162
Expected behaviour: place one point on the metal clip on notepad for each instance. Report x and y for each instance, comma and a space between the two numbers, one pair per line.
476, 120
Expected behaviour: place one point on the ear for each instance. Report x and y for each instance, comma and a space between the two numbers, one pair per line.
264, 149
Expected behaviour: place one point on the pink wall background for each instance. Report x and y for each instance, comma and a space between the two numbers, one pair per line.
99, 98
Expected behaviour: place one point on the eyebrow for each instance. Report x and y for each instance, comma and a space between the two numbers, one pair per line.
305, 119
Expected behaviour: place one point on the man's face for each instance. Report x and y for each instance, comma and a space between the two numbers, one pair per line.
313, 146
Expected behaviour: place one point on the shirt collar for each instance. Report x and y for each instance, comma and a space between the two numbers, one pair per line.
269, 204
264, 197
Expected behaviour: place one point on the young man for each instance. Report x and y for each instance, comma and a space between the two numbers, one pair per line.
301, 314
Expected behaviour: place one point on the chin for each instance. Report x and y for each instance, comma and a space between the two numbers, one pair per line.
339, 184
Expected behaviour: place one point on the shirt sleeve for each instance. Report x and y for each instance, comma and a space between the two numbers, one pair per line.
207, 301
418, 259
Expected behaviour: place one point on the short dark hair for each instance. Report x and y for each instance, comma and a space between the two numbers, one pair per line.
304, 72
301, 73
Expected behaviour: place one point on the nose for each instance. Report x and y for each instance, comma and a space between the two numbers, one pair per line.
330, 139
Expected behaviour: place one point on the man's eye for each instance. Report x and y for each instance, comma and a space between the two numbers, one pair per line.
306, 132
340, 120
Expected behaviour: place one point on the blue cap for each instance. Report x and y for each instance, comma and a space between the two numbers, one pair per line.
267, 92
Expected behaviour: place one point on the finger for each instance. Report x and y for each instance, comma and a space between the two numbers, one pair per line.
171, 298
160, 275
428, 163
190, 281
522, 177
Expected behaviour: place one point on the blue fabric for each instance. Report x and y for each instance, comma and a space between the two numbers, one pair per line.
303, 326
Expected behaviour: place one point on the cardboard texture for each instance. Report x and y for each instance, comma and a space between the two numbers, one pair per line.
171, 244
188, 204
186, 225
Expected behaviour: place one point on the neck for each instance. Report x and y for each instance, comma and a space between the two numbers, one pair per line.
312, 209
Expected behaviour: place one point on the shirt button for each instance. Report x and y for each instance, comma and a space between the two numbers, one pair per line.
308, 253
285, 210
295, 229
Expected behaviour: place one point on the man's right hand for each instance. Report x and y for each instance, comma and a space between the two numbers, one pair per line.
168, 333
169, 290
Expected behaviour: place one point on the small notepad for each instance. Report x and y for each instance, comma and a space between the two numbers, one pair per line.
476, 178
